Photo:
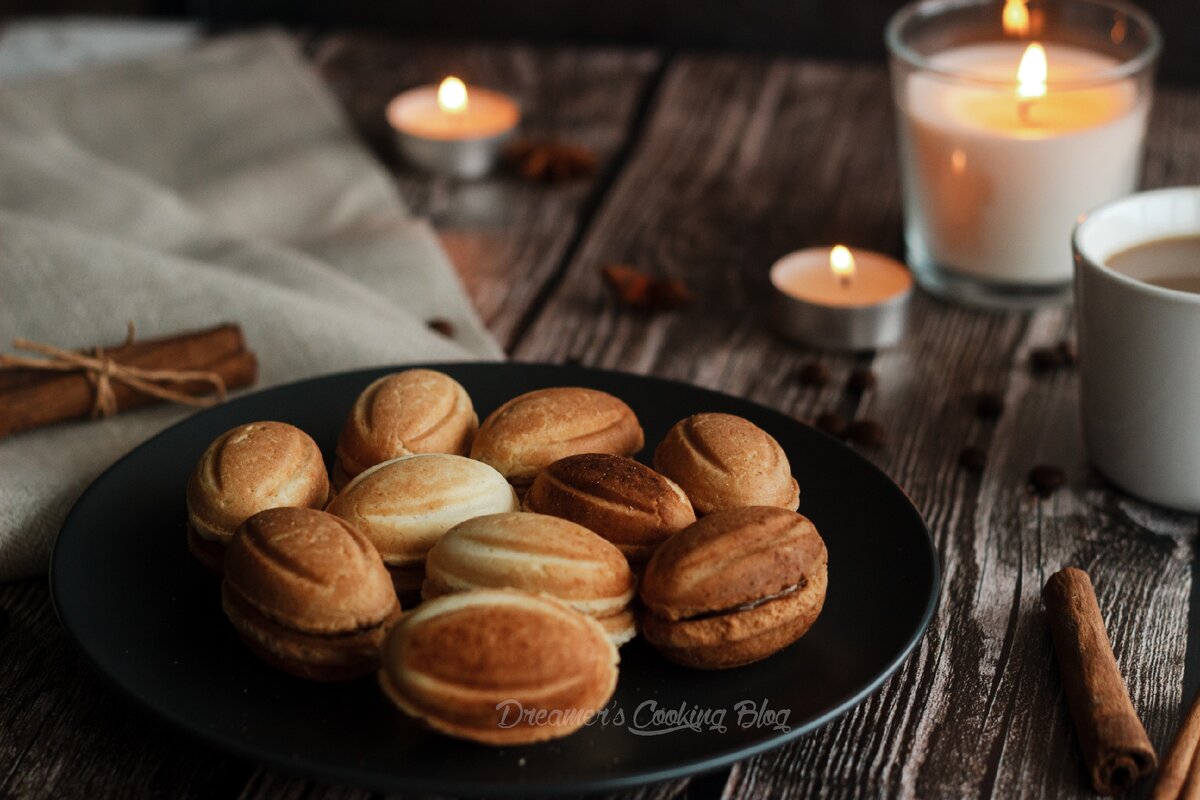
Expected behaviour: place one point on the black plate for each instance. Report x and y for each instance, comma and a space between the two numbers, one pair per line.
149, 620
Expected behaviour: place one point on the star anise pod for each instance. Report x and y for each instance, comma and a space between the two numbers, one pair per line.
636, 289
550, 160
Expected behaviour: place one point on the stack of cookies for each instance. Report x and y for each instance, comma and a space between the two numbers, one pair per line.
524, 550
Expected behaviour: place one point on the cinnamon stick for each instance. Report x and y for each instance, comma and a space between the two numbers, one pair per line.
1115, 747
165, 352
32, 398
1180, 773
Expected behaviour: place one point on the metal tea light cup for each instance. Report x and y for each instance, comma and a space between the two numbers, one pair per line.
808, 306
470, 152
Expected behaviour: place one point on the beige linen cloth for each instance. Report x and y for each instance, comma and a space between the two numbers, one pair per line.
216, 184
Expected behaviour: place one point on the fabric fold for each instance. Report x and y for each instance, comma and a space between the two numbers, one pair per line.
220, 183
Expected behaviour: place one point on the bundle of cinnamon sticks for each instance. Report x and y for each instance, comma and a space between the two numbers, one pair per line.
33, 397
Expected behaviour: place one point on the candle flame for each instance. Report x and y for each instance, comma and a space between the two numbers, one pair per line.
841, 261
1031, 73
1015, 18
452, 96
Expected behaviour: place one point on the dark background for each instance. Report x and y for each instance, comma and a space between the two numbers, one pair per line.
829, 28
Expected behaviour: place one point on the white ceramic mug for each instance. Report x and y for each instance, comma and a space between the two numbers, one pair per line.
1139, 348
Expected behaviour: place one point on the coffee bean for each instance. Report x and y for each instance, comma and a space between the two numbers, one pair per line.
860, 381
833, 423
989, 405
1046, 359
1046, 479
1051, 359
443, 326
814, 373
867, 432
973, 459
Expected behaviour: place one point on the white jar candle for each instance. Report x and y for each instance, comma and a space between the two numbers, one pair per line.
1005, 142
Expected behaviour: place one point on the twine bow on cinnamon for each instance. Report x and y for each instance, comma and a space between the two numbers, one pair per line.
102, 371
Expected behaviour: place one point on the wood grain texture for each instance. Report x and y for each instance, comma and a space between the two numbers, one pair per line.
63, 733
506, 236
743, 161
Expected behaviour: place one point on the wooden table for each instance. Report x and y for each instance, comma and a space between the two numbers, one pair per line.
712, 167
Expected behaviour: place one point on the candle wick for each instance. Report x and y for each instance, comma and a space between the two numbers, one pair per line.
1023, 109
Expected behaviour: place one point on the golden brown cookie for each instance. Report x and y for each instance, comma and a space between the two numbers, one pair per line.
735, 587
540, 555
248, 469
624, 501
722, 461
308, 593
500, 667
404, 506
415, 411
530, 432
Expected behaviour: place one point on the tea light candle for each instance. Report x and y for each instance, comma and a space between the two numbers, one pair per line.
1004, 142
840, 299
452, 130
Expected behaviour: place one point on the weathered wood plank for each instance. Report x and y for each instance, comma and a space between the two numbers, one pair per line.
742, 161
505, 236
63, 733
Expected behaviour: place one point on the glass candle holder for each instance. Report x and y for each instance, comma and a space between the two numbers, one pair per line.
1014, 119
